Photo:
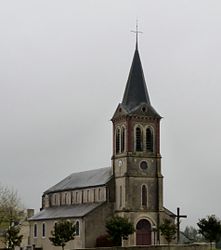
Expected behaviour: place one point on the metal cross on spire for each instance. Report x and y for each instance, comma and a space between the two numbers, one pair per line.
137, 32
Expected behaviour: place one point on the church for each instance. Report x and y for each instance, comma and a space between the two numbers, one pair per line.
132, 187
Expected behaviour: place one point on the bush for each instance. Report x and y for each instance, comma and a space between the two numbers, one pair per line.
119, 228
104, 241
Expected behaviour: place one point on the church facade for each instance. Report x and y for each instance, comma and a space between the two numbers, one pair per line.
132, 187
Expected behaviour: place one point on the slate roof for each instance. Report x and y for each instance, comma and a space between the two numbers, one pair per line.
96, 177
69, 211
136, 89
136, 92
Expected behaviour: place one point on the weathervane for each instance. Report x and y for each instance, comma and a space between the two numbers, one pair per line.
137, 32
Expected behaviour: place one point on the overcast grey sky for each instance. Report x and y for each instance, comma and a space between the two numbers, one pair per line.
63, 70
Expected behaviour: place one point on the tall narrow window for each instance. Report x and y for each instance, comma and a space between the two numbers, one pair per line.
82, 196
118, 141
149, 140
43, 230
35, 230
65, 199
138, 139
122, 139
120, 196
72, 198
88, 195
76, 197
144, 195
55, 199
60, 199
99, 194
94, 195
77, 228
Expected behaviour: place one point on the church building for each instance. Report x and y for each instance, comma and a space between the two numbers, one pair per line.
132, 187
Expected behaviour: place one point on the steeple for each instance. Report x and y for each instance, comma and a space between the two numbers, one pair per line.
136, 89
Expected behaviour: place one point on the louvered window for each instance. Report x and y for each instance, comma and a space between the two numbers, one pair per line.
122, 139
118, 141
149, 140
138, 139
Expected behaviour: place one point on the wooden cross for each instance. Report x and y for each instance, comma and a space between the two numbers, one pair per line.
178, 216
137, 32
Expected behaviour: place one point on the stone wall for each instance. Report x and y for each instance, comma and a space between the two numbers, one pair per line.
196, 246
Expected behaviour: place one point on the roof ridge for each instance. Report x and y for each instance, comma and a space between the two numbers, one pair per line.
89, 170
79, 180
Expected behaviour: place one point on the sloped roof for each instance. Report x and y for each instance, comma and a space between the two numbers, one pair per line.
69, 211
96, 177
136, 94
136, 89
170, 213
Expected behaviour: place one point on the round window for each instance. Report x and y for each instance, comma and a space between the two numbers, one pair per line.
143, 165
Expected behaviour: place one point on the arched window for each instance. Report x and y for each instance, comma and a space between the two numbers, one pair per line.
59, 198
55, 199
94, 195
65, 199
35, 230
88, 195
144, 195
99, 194
149, 140
76, 197
118, 141
120, 196
72, 198
122, 139
138, 139
82, 196
77, 228
43, 230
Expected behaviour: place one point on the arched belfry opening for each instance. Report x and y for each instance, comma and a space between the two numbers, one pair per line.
149, 140
138, 139
143, 232
118, 141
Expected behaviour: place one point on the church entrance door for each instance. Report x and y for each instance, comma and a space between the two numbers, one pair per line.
143, 232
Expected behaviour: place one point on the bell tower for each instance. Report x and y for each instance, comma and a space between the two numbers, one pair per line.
136, 156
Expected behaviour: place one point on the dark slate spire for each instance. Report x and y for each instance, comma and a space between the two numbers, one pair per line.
136, 89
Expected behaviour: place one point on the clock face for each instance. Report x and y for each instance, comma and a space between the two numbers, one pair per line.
120, 163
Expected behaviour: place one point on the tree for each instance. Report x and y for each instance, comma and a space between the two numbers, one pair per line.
168, 230
104, 241
119, 228
63, 232
11, 209
210, 228
192, 234
12, 237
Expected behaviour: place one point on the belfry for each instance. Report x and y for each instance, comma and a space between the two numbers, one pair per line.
137, 159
